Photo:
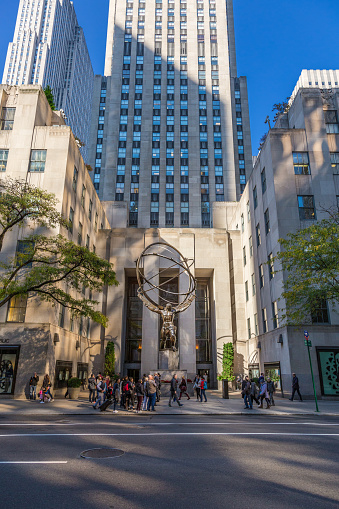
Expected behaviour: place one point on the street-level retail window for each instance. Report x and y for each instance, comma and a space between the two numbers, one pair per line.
8, 367
82, 372
63, 372
328, 364
273, 371
253, 371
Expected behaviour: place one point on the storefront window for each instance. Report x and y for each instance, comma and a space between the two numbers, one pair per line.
328, 363
82, 372
253, 371
63, 372
134, 322
8, 366
202, 322
273, 371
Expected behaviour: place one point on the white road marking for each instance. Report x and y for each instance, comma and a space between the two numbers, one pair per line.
171, 424
166, 434
33, 462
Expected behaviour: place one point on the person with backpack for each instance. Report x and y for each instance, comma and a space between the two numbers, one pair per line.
33, 382
100, 393
116, 395
246, 393
203, 388
270, 390
92, 388
183, 388
127, 393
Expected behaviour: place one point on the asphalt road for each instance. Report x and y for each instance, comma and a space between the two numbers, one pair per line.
170, 462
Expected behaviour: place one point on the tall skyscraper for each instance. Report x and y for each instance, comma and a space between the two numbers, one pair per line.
49, 48
170, 119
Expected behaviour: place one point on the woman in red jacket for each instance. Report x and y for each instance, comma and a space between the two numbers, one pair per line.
203, 387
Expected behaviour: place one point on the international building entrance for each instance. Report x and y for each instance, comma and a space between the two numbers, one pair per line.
8, 367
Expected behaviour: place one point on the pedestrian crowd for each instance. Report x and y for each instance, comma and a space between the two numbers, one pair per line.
264, 391
44, 395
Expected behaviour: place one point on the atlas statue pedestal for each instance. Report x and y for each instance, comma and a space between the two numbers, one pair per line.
168, 359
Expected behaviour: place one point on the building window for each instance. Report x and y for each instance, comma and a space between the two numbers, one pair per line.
134, 322
61, 321
256, 329
244, 255
17, 309
267, 221
301, 163
246, 290
261, 276
75, 179
264, 320
87, 241
203, 321
320, 313
335, 162
248, 212
83, 193
3, 159
306, 207
275, 315
70, 220
80, 234
331, 121
263, 181
270, 266
249, 332
90, 210
251, 246
7, 119
253, 284
257, 232
242, 223
38, 161
255, 198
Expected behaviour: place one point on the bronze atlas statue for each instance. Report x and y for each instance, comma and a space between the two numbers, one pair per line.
167, 302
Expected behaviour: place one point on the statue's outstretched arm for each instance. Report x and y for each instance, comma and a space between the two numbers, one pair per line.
150, 306
184, 305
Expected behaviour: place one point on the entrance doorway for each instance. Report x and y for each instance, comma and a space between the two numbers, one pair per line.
272, 369
203, 372
133, 373
8, 367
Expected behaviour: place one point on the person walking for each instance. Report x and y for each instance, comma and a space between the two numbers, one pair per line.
196, 386
183, 388
270, 390
46, 389
33, 382
246, 392
139, 390
116, 395
100, 393
203, 388
264, 395
254, 393
152, 393
157, 380
91, 388
145, 401
295, 387
173, 391
261, 379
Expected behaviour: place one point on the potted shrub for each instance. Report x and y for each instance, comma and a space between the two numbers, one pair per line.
74, 385
227, 374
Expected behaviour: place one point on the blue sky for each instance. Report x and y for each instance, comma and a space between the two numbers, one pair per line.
275, 40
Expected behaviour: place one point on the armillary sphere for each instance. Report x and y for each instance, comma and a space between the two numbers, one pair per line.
174, 264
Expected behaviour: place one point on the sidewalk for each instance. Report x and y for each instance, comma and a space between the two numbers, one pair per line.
214, 406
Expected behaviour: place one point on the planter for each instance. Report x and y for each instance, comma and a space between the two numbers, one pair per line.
73, 392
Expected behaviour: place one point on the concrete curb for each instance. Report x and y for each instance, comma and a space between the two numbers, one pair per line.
147, 414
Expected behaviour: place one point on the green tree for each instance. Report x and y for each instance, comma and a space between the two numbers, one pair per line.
227, 362
310, 258
280, 108
50, 97
48, 267
109, 368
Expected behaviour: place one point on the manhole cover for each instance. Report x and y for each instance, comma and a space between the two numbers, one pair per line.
102, 453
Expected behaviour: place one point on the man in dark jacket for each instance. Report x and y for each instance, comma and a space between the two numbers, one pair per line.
32, 386
270, 390
173, 389
92, 386
295, 387
246, 392
158, 384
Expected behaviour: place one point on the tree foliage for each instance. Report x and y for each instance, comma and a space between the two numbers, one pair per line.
227, 362
280, 108
262, 141
48, 267
50, 98
109, 368
310, 258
